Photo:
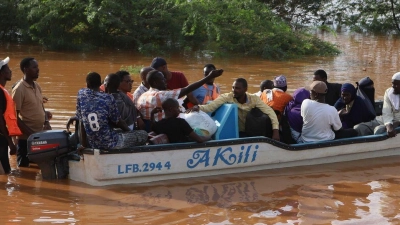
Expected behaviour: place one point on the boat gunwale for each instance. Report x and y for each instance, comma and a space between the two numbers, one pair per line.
238, 141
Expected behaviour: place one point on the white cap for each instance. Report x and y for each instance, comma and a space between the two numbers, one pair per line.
396, 76
4, 62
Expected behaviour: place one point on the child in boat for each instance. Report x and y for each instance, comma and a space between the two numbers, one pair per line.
176, 129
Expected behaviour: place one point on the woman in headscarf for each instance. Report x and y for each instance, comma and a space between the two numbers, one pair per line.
366, 90
292, 112
352, 109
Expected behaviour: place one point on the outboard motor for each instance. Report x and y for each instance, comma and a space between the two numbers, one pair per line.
49, 149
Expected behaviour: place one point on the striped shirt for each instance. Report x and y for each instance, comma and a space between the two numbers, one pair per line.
153, 98
138, 92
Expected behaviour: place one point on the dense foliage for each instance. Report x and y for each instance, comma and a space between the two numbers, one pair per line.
381, 16
213, 26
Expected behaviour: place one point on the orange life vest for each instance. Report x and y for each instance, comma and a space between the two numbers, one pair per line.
10, 116
211, 94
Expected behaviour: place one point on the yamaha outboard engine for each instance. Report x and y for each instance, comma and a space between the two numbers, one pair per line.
49, 149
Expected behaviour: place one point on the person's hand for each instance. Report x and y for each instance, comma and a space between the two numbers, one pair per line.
342, 112
49, 115
46, 126
45, 99
193, 109
71, 120
275, 135
13, 148
216, 73
391, 132
156, 110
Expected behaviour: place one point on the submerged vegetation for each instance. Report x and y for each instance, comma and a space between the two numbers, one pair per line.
268, 28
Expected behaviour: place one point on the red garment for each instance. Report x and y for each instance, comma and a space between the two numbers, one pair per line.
178, 80
130, 95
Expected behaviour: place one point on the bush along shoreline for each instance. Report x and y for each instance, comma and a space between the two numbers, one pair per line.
239, 27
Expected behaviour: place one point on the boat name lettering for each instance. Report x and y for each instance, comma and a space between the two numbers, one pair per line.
224, 155
145, 167
39, 142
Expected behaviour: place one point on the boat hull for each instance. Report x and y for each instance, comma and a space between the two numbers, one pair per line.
149, 164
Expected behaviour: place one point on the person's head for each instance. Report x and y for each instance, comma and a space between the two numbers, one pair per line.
207, 70
396, 83
93, 80
280, 82
366, 85
5, 72
126, 82
318, 91
320, 75
239, 88
30, 68
349, 93
266, 84
171, 107
157, 80
300, 95
143, 75
159, 64
112, 83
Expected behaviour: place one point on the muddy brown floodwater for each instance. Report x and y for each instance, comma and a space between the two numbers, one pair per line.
360, 192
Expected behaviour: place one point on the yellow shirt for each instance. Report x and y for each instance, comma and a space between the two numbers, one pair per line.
243, 109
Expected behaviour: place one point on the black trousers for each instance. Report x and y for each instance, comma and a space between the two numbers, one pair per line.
22, 152
345, 133
5, 162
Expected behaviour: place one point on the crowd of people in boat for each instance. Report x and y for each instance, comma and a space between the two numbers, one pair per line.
111, 117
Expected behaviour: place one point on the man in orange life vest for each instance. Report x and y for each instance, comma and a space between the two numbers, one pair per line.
8, 122
209, 91
277, 98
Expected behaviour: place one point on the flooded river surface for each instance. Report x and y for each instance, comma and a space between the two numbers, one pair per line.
361, 192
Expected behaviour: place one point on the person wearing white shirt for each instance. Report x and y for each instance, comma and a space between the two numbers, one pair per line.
320, 118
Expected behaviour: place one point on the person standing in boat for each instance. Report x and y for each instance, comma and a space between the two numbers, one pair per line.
265, 84
209, 91
277, 98
98, 112
158, 93
174, 79
8, 122
28, 99
334, 91
245, 103
352, 108
320, 118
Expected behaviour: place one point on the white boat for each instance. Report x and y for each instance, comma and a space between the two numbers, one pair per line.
175, 161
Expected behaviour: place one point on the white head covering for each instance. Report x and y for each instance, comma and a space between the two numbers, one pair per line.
4, 62
396, 76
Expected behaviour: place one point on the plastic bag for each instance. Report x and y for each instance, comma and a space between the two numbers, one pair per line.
201, 123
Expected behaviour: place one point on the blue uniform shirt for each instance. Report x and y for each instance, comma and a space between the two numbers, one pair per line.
96, 110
